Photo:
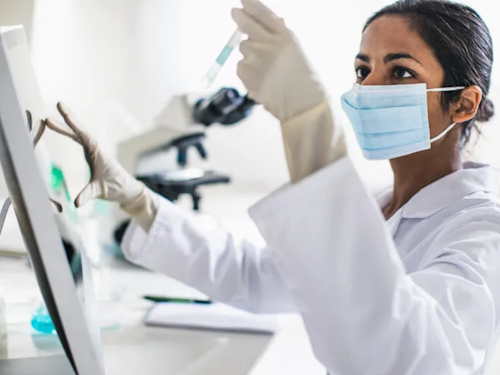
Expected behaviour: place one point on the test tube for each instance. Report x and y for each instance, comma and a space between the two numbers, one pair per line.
214, 70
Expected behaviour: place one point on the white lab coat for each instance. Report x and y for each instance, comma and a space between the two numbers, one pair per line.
418, 294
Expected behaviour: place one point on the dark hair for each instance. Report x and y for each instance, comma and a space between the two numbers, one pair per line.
461, 43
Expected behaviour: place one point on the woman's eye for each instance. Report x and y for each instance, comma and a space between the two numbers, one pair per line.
362, 72
402, 73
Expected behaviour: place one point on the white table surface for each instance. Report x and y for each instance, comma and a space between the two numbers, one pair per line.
133, 348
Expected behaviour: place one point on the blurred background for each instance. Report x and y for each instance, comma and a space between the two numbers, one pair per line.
118, 62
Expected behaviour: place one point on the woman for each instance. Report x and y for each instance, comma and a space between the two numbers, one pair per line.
408, 283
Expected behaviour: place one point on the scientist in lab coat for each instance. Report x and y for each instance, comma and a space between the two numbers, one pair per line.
407, 282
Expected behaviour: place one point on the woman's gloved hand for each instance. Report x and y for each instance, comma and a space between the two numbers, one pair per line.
274, 69
109, 180
278, 75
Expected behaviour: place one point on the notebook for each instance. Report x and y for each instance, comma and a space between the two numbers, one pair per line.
215, 316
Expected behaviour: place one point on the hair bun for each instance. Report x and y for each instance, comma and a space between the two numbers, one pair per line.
486, 110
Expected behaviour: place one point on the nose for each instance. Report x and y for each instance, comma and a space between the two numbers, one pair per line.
375, 78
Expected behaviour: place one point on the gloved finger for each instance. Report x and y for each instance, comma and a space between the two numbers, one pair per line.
92, 191
263, 14
246, 74
39, 133
52, 125
253, 50
30, 120
58, 206
243, 71
64, 111
246, 48
248, 25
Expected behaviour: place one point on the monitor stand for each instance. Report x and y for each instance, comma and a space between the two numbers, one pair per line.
54, 365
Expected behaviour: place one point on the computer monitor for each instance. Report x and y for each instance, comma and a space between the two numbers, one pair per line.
52, 241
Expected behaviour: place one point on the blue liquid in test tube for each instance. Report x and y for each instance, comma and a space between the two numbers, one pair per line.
214, 70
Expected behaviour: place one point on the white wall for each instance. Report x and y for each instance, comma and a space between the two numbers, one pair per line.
83, 55
487, 149
180, 40
100, 55
21, 13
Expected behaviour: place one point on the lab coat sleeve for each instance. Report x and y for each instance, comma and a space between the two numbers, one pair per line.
213, 261
363, 313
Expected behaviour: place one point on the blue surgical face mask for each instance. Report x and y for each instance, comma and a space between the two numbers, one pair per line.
391, 121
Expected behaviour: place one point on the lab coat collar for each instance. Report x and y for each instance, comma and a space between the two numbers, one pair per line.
447, 190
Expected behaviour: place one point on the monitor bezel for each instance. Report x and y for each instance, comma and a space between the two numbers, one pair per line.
38, 225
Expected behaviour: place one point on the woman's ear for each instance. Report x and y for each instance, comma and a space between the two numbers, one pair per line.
467, 106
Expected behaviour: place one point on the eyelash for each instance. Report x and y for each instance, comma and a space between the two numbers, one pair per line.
365, 69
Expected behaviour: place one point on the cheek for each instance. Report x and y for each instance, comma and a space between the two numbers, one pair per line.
437, 116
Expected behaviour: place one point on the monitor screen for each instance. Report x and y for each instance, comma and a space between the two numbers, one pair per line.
52, 238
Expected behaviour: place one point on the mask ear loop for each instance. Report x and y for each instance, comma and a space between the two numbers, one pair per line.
442, 89
439, 89
446, 131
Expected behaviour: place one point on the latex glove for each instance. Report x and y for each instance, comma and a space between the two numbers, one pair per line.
39, 132
277, 74
109, 180
274, 70
312, 141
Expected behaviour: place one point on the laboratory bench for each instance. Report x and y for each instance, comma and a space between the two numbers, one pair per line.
131, 347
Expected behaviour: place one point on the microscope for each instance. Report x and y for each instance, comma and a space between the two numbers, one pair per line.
180, 128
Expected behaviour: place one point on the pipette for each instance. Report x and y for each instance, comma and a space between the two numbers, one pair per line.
214, 70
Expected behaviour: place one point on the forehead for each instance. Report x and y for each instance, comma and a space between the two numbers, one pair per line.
390, 34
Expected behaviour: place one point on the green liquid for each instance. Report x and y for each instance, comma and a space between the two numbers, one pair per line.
224, 55
57, 182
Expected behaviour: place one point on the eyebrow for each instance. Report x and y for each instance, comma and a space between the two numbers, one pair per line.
390, 57
362, 57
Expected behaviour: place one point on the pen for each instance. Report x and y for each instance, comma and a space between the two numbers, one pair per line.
176, 300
